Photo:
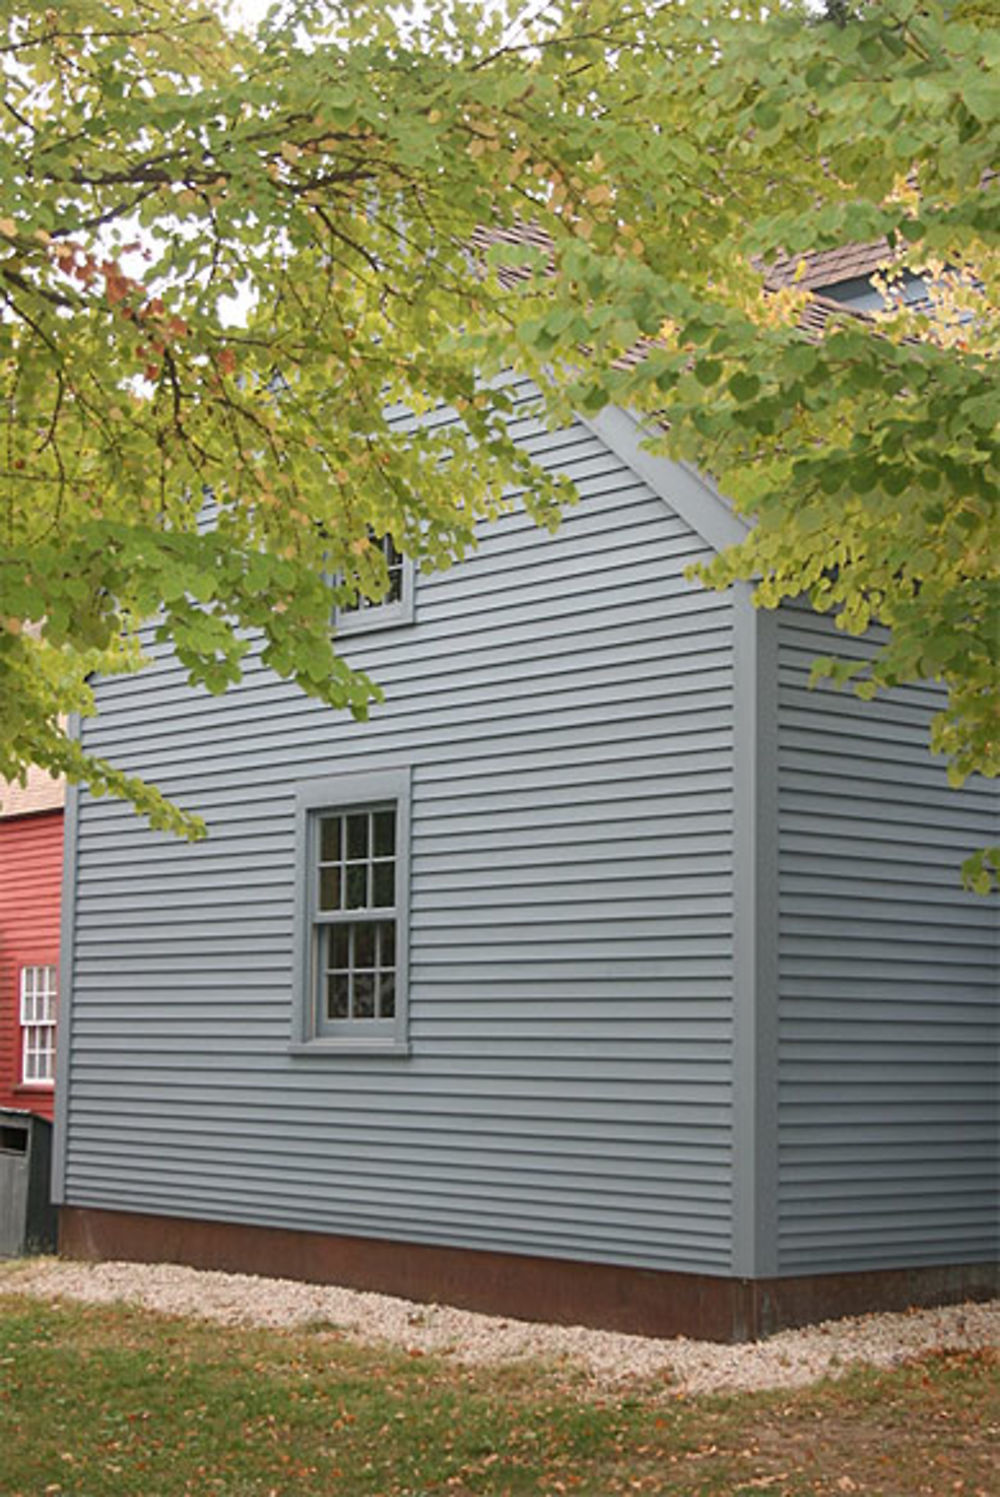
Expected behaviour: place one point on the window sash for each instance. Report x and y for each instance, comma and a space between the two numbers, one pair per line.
356, 876
357, 971
366, 990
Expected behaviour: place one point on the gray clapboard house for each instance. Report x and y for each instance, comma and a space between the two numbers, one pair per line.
607, 974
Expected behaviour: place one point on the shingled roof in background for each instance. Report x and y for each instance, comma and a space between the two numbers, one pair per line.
822, 268
827, 267
485, 237
818, 311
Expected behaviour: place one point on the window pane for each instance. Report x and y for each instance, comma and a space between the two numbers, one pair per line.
357, 836
340, 955
387, 943
357, 885
385, 834
336, 995
329, 889
364, 945
387, 995
329, 839
384, 883
364, 995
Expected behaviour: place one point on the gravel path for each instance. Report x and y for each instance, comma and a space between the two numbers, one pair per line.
788, 1360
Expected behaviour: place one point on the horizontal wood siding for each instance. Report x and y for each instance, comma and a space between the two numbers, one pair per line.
889, 983
31, 862
565, 704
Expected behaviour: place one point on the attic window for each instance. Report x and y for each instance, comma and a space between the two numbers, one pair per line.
395, 607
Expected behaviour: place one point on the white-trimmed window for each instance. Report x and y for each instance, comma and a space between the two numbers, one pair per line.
39, 1004
353, 848
395, 607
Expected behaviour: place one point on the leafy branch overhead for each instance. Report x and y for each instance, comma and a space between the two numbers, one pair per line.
230, 263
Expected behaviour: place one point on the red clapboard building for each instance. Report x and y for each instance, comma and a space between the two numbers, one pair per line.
31, 859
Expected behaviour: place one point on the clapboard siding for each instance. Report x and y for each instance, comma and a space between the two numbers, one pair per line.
889, 1008
566, 706
31, 863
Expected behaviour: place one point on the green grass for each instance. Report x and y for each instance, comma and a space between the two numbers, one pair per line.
95, 1402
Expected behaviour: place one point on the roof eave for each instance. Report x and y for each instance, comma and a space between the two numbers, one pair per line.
682, 488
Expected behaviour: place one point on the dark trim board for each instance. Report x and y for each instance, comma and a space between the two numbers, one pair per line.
645, 1301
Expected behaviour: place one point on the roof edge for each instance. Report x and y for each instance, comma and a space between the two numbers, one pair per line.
683, 489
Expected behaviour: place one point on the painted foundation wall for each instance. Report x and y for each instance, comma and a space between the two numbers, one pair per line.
565, 704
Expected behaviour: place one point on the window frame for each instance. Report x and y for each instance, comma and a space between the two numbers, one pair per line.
368, 615
312, 1034
50, 991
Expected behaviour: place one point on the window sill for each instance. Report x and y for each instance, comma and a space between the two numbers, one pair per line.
371, 621
325, 1048
45, 1087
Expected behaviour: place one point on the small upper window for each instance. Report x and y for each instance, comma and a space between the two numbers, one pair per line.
39, 998
394, 607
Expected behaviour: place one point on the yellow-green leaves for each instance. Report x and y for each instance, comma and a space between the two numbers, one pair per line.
230, 263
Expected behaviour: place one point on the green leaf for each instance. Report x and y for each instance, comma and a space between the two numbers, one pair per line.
364, 183
744, 387
979, 95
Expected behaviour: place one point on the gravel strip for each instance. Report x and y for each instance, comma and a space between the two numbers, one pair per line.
788, 1360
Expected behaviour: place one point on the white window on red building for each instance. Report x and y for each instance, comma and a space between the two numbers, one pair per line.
39, 1001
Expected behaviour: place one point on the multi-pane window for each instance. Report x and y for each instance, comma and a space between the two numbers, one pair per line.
352, 913
396, 604
356, 914
395, 566
39, 997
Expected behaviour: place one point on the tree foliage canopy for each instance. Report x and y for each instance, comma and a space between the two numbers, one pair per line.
226, 258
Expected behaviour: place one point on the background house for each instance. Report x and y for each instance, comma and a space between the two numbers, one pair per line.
31, 862
607, 974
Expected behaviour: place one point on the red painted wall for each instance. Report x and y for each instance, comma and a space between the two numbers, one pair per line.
31, 858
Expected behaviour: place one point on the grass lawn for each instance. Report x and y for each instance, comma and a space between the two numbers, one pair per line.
119, 1401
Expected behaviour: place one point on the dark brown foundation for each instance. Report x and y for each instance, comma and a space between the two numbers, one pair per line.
647, 1301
